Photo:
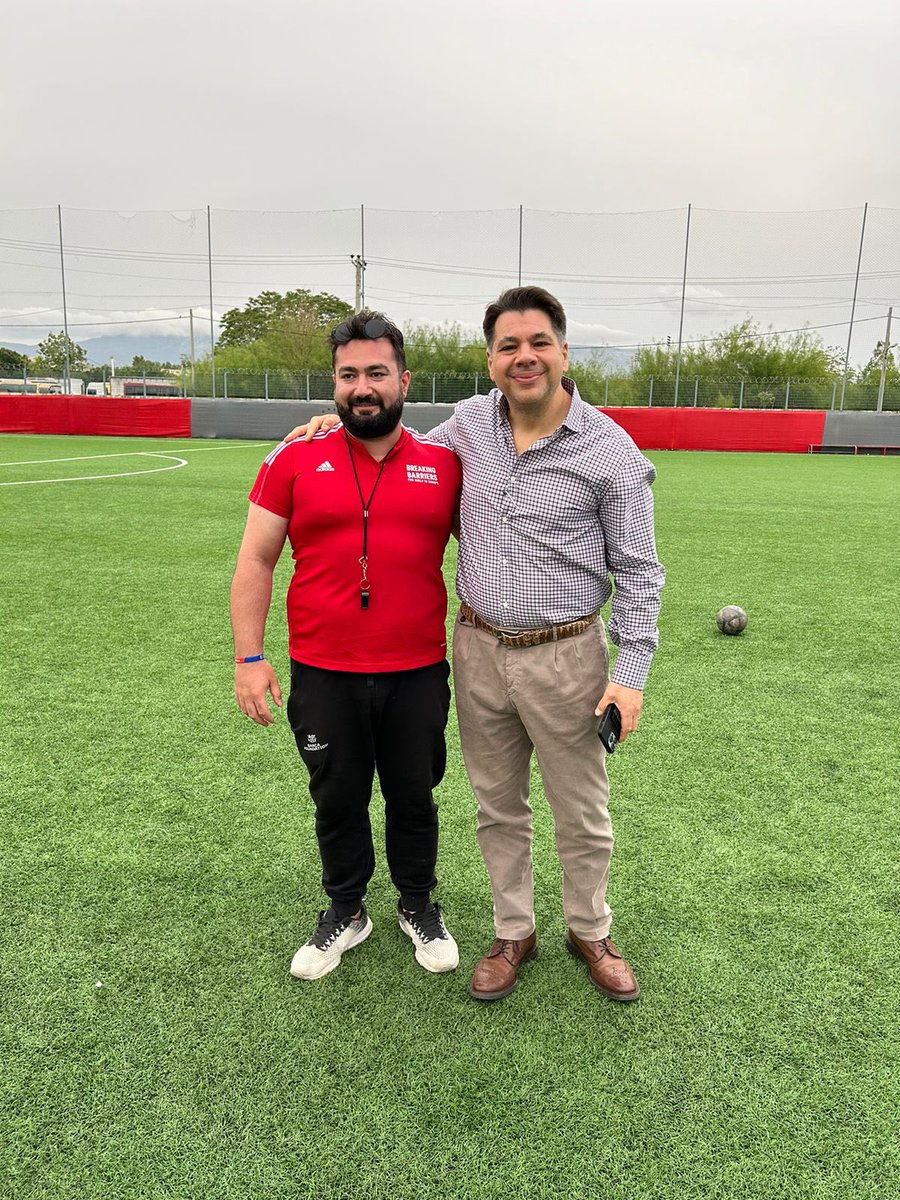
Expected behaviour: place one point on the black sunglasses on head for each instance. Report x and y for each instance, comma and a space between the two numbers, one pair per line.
373, 329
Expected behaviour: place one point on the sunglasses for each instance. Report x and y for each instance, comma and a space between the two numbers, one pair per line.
373, 329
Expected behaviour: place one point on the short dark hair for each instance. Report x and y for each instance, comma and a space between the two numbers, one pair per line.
520, 299
367, 325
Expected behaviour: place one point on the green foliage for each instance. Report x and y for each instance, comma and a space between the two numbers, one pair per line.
739, 367
147, 366
742, 352
51, 356
440, 349
11, 362
94, 374
275, 332
299, 312
871, 372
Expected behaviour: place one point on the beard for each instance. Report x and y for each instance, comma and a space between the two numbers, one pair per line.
372, 425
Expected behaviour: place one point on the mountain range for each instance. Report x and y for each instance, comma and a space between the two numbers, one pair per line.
122, 349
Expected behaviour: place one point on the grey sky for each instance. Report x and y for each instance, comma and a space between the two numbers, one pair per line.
404, 104
570, 107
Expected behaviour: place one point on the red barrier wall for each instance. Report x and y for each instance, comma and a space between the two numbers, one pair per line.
109, 416
720, 429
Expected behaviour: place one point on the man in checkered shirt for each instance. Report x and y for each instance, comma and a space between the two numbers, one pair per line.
556, 507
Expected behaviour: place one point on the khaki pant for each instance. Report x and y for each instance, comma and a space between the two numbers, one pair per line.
509, 702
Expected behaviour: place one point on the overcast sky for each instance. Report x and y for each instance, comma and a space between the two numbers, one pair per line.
561, 105
475, 103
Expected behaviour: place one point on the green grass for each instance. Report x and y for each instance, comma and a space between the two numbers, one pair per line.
157, 842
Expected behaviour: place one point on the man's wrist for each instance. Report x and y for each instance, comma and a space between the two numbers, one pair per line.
631, 669
249, 658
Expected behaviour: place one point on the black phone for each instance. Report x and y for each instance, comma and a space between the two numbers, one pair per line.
610, 727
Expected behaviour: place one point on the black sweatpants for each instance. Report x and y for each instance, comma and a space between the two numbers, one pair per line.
349, 725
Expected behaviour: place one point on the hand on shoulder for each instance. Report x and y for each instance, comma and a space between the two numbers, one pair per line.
308, 431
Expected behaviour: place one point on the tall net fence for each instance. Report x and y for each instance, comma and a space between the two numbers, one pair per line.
160, 283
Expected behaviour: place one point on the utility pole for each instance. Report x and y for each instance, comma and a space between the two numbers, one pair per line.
862, 239
67, 385
212, 336
884, 362
193, 359
360, 263
687, 242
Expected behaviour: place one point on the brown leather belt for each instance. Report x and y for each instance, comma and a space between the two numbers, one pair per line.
526, 637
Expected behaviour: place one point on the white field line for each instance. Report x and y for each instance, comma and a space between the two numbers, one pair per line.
33, 462
176, 463
175, 459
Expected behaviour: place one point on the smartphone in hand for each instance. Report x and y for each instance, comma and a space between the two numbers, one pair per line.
610, 727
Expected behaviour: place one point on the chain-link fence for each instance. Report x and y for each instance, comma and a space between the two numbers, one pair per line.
616, 391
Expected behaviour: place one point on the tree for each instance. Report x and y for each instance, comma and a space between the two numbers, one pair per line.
743, 352
871, 372
11, 362
272, 312
51, 356
147, 366
444, 349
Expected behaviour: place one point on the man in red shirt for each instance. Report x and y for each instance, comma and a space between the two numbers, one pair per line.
368, 509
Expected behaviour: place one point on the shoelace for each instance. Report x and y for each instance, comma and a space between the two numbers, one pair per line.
505, 944
327, 930
428, 924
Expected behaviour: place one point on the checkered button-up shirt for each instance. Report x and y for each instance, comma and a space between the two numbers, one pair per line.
543, 531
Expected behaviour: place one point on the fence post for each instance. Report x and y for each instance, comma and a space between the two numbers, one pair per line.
475, 393
225, 382
741, 398
266, 384
787, 394
606, 392
433, 378
650, 396
696, 389
24, 379
144, 377
183, 382
833, 394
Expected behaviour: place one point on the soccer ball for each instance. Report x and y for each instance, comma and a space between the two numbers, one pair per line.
731, 620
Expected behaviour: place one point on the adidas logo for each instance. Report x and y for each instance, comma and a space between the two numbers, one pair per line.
325, 466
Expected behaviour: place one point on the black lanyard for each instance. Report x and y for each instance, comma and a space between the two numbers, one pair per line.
365, 505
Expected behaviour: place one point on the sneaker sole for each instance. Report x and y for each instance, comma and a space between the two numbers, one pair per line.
356, 940
435, 966
624, 997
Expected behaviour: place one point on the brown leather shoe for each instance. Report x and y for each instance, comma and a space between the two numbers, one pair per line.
607, 969
495, 975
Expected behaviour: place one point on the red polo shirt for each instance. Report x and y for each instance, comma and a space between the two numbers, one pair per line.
312, 484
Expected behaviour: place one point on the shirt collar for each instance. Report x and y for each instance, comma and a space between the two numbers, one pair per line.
358, 445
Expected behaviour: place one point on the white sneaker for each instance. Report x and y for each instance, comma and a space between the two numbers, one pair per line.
322, 953
435, 949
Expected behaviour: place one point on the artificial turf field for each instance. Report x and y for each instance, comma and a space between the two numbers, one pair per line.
157, 843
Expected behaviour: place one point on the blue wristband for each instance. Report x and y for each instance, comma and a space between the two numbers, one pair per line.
251, 658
